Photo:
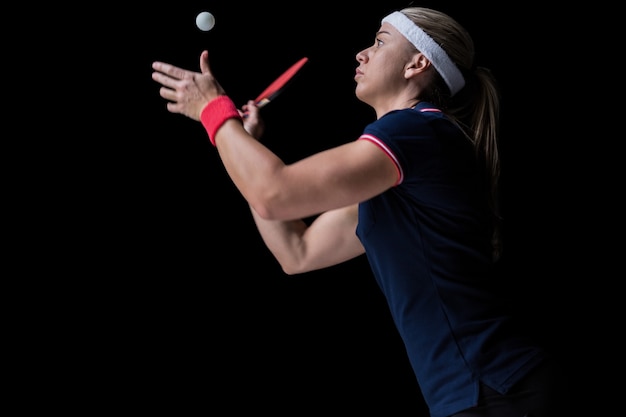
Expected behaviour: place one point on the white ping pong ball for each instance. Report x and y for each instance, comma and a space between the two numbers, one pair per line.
205, 21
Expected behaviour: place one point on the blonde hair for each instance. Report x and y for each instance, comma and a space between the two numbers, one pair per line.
476, 108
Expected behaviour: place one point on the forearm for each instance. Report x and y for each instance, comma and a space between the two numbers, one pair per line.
253, 168
284, 240
301, 247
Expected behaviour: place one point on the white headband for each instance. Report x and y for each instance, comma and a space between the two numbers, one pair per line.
426, 45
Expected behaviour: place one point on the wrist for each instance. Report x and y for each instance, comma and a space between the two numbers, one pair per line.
215, 114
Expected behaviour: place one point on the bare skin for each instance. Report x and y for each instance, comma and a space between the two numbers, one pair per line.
329, 184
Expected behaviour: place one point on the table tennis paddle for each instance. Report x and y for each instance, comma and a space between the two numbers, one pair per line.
279, 83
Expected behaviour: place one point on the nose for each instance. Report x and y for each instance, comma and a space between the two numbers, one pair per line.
361, 56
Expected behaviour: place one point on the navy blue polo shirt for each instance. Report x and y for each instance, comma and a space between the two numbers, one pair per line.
429, 249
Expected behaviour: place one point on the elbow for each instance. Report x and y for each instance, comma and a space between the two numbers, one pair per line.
293, 263
292, 269
297, 264
289, 271
262, 210
266, 208
271, 198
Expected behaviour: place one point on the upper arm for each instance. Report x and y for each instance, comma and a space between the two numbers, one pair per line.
338, 177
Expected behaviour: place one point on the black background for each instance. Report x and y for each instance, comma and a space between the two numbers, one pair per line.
181, 307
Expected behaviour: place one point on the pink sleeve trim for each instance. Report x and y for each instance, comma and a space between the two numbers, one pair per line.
389, 153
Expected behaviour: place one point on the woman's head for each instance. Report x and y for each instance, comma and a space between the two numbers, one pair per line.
443, 41
405, 36
467, 93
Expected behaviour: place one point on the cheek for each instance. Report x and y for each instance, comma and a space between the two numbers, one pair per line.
386, 62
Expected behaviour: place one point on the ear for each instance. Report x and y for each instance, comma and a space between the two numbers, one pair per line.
418, 65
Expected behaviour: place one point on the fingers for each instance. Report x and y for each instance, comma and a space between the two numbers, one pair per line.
252, 121
187, 92
170, 86
171, 70
168, 94
204, 62
249, 108
164, 80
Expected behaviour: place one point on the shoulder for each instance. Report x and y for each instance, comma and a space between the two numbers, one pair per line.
396, 121
405, 124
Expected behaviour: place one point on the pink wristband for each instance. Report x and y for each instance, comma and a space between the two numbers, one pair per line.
215, 113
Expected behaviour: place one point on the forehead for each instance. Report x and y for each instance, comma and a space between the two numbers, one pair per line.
389, 29
391, 34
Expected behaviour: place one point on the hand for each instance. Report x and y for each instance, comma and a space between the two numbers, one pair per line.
252, 121
188, 92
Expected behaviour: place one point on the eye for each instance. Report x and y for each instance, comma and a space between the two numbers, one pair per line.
378, 42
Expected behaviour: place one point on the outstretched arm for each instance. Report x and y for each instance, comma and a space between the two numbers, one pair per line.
338, 177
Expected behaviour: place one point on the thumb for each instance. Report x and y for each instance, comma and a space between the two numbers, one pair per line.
204, 62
